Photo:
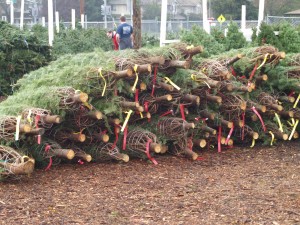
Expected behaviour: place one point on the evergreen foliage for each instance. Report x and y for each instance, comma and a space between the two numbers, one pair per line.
289, 38
266, 36
235, 39
218, 34
20, 53
197, 36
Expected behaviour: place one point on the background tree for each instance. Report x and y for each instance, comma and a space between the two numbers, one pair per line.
279, 7
231, 9
151, 11
93, 10
5, 8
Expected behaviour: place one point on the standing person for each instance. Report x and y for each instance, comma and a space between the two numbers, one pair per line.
113, 35
124, 34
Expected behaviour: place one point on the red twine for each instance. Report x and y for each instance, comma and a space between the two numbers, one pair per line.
148, 152
219, 139
181, 106
229, 135
125, 137
253, 72
117, 136
166, 113
154, 81
137, 95
260, 118
37, 119
243, 127
232, 71
47, 148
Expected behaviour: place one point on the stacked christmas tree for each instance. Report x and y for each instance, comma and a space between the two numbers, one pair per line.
114, 105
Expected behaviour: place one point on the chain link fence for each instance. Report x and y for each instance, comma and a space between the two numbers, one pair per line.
280, 19
152, 27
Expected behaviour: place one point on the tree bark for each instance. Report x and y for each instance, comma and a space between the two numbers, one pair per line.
137, 28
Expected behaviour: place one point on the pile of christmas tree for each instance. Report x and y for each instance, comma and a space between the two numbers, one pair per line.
115, 105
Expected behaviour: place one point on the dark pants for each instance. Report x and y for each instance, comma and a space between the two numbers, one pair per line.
125, 43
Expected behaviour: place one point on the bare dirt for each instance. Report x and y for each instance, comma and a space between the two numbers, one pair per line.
238, 186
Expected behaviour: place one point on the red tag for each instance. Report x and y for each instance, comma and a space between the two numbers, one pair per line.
125, 137
117, 137
181, 106
253, 72
219, 139
232, 71
259, 116
243, 127
137, 95
229, 135
47, 148
166, 113
154, 81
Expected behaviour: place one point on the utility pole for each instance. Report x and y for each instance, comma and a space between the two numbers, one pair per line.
137, 24
82, 7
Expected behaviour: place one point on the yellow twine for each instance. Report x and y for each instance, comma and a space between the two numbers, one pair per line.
263, 63
297, 101
100, 73
194, 78
273, 137
141, 114
293, 130
18, 128
279, 122
29, 117
253, 143
126, 120
291, 123
136, 77
89, 106
80, 132
190, 46
171, 82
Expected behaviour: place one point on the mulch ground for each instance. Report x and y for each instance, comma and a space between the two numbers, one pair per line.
239, 186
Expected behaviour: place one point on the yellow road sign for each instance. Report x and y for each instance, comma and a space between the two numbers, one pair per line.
221, 19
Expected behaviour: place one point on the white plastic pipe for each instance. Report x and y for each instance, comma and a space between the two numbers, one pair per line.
50, 22
22, 15
163, 22
57, 21
206, 26
82, 20
243, 17
73, 19
261, 10
12, 12
43, 21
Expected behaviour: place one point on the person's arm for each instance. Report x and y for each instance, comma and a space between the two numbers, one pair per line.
118, 38
131, 35
118, 33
